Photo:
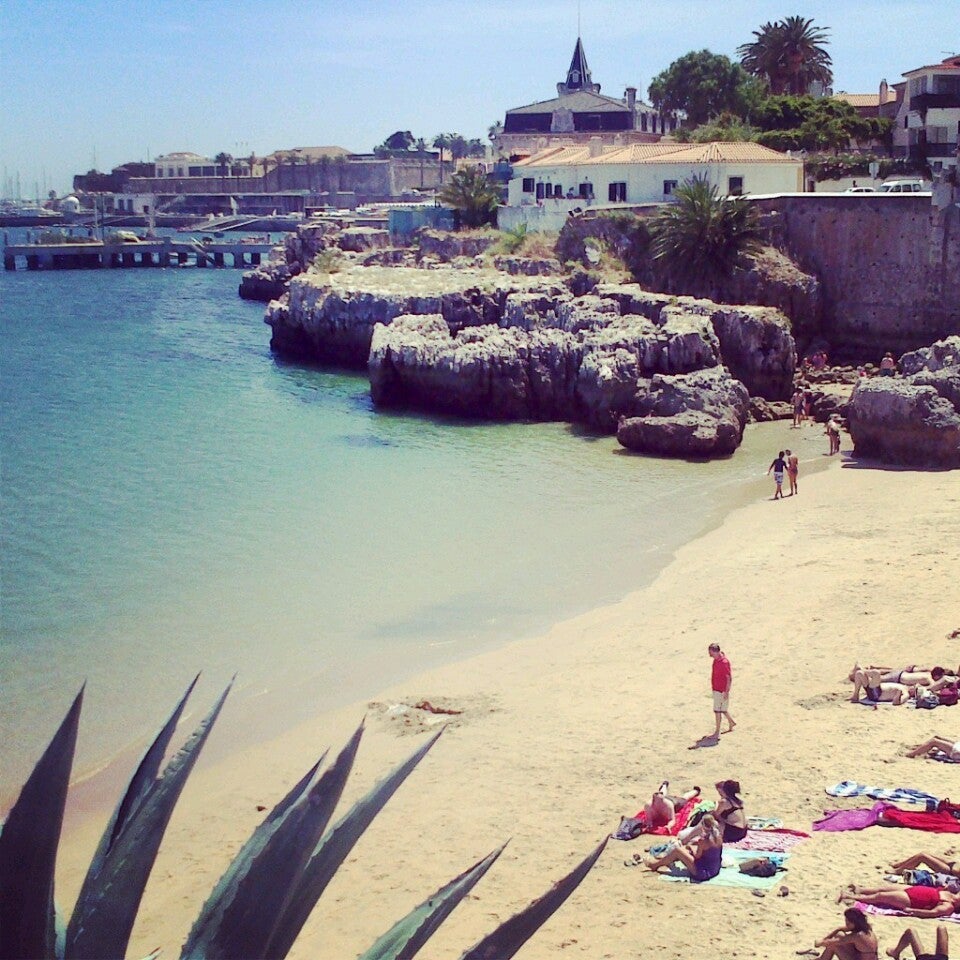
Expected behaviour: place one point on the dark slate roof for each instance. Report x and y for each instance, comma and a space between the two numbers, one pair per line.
578, 76
579, 102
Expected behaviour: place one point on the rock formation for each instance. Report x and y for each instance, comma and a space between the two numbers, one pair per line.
914, 419
700, 414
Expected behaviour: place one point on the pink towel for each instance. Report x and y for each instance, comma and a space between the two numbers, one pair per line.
770, 841
888, 912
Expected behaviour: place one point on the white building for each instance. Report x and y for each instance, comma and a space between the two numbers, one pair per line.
927, 125
546, 187
185, 164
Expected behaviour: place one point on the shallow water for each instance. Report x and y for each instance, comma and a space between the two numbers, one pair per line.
175, 499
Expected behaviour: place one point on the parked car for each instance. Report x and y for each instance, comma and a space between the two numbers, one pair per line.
859, 190
903, 186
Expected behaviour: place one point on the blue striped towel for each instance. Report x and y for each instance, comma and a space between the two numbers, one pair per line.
850, 788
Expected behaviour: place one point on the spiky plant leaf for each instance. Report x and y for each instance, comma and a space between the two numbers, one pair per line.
28, 849
509, 937
138, 787
241, 913
333, 849
102, 921
405, 938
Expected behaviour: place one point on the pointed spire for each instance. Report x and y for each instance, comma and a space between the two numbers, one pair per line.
578, 75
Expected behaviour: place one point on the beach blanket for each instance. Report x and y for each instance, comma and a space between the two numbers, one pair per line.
849, 788
768, 841
887, 912
838, 820
933, 821
764, 823
730, 875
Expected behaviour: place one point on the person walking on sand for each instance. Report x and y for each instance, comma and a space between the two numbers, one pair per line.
833, 434
793, 471
721, 680
778, 466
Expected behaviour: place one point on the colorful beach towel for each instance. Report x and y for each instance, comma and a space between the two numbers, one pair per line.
849, 788
730, 875
933, 821
768, 841
838, 820
887, 912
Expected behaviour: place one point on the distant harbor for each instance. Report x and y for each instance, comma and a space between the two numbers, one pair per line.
92, 254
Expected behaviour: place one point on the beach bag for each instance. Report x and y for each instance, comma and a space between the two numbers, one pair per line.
928, 701
630, 828
759, 867
945, 806
948, 696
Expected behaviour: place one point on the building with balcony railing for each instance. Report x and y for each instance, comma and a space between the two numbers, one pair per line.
927, 125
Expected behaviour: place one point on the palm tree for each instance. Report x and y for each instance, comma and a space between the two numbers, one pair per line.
223, 160
442, 142
476, 149
698, 239
421, 146
789, 54
494, 131
472, 193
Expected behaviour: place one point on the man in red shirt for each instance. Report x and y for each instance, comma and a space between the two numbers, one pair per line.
721, 682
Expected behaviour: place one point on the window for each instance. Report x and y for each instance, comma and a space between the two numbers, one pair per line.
668, 187
617, 192
735, 186
557, 190
586, 190
179, 171
539, 191
643, 122
528, 184
194, 171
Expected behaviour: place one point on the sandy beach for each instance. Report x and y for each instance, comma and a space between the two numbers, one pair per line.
561, 736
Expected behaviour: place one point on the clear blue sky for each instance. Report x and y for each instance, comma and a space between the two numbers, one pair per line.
126, 80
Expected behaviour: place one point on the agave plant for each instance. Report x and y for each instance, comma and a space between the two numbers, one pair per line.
262, 901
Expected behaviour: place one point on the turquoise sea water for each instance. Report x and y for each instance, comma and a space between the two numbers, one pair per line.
175, 499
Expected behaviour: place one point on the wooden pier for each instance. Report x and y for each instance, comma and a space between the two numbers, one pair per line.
161, 252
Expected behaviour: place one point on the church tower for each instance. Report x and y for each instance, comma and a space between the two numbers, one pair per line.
578, 76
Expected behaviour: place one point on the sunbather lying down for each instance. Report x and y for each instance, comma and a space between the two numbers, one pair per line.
663, 806
908, 676
923, 902
928, 861
911, 940
869, 683
936, 745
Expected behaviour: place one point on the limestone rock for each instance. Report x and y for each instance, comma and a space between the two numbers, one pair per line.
444, 246
362, 239
912, 420
700, 414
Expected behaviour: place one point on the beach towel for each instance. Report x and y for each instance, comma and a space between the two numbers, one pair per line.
730, 875
764, 823
887, 912
768, 841
838, 820
933, 821
942, 757
849, 788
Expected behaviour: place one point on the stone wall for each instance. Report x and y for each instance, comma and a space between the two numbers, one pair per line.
889, 266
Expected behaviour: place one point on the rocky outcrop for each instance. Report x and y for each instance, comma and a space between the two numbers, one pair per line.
915, 419
330, 319
528, 266
586, 366
700, 414
755, 342
445, 246
362, 239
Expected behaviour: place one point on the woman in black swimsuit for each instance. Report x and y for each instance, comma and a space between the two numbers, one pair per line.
729, 811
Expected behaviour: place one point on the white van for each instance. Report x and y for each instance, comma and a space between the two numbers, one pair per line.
903, 186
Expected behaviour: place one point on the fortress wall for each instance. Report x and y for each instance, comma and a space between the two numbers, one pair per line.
889, 265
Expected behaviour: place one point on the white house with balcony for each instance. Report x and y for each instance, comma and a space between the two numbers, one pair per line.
552, 185
927, 125
185, 164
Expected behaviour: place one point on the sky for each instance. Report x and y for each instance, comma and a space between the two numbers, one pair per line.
94, 83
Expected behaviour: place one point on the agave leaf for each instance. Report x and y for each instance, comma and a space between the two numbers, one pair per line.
28, 849
238, 918
509, 937
333, 849
405, 938
102, 920
138, 787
